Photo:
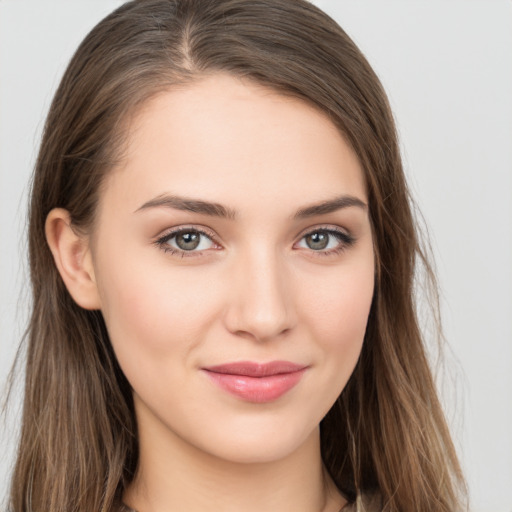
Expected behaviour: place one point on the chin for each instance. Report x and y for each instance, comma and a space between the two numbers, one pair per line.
260, 445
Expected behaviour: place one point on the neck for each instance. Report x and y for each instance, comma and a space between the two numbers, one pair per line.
173, 475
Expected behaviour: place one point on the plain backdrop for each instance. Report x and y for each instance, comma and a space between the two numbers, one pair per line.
447, 67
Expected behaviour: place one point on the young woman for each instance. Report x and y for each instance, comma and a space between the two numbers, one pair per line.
222, 256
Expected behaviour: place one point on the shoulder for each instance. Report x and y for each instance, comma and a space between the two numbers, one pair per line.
124, 508
370, 502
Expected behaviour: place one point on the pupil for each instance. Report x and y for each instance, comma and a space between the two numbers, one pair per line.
187, 241
317, 241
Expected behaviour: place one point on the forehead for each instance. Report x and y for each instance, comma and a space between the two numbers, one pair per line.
230, 140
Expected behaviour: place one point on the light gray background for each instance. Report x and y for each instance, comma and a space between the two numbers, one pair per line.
447, 66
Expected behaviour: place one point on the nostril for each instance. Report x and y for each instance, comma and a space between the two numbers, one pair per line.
260, 320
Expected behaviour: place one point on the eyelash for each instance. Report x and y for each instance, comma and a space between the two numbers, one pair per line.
344, 238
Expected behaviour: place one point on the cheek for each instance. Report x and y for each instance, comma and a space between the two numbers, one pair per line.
336, 316
339, 310
335, 310
154, 311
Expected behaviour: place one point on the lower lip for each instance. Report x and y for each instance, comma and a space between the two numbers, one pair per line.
257, 389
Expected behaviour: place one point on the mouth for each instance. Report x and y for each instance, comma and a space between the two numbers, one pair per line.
256, 382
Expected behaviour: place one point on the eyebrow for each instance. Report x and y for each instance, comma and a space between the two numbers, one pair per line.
330, 206
218, 210
190, 205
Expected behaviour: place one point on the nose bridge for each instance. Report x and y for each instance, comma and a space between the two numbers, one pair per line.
261, 303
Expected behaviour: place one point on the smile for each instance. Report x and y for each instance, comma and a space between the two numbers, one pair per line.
256, 382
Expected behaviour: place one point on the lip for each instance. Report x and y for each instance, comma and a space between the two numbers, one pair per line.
256, 382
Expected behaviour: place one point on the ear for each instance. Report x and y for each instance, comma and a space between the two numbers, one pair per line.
73, 258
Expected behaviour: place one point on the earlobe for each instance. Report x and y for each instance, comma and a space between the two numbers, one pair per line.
73, 259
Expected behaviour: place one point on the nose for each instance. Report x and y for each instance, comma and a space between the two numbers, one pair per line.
261, 304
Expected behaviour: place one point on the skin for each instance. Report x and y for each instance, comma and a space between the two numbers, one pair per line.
254, 290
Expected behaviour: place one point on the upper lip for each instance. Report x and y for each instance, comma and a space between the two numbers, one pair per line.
255, 369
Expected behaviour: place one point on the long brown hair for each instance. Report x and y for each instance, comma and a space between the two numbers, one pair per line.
78, 447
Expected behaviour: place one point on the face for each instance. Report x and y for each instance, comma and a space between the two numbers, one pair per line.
234, 262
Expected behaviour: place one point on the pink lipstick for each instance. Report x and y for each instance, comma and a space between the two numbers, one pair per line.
256, 382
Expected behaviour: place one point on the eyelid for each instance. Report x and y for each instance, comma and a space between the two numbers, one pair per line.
166, 235
325, 227
346, 239
187, 227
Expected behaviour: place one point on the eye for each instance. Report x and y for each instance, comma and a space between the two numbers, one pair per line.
188, 240
326, 241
